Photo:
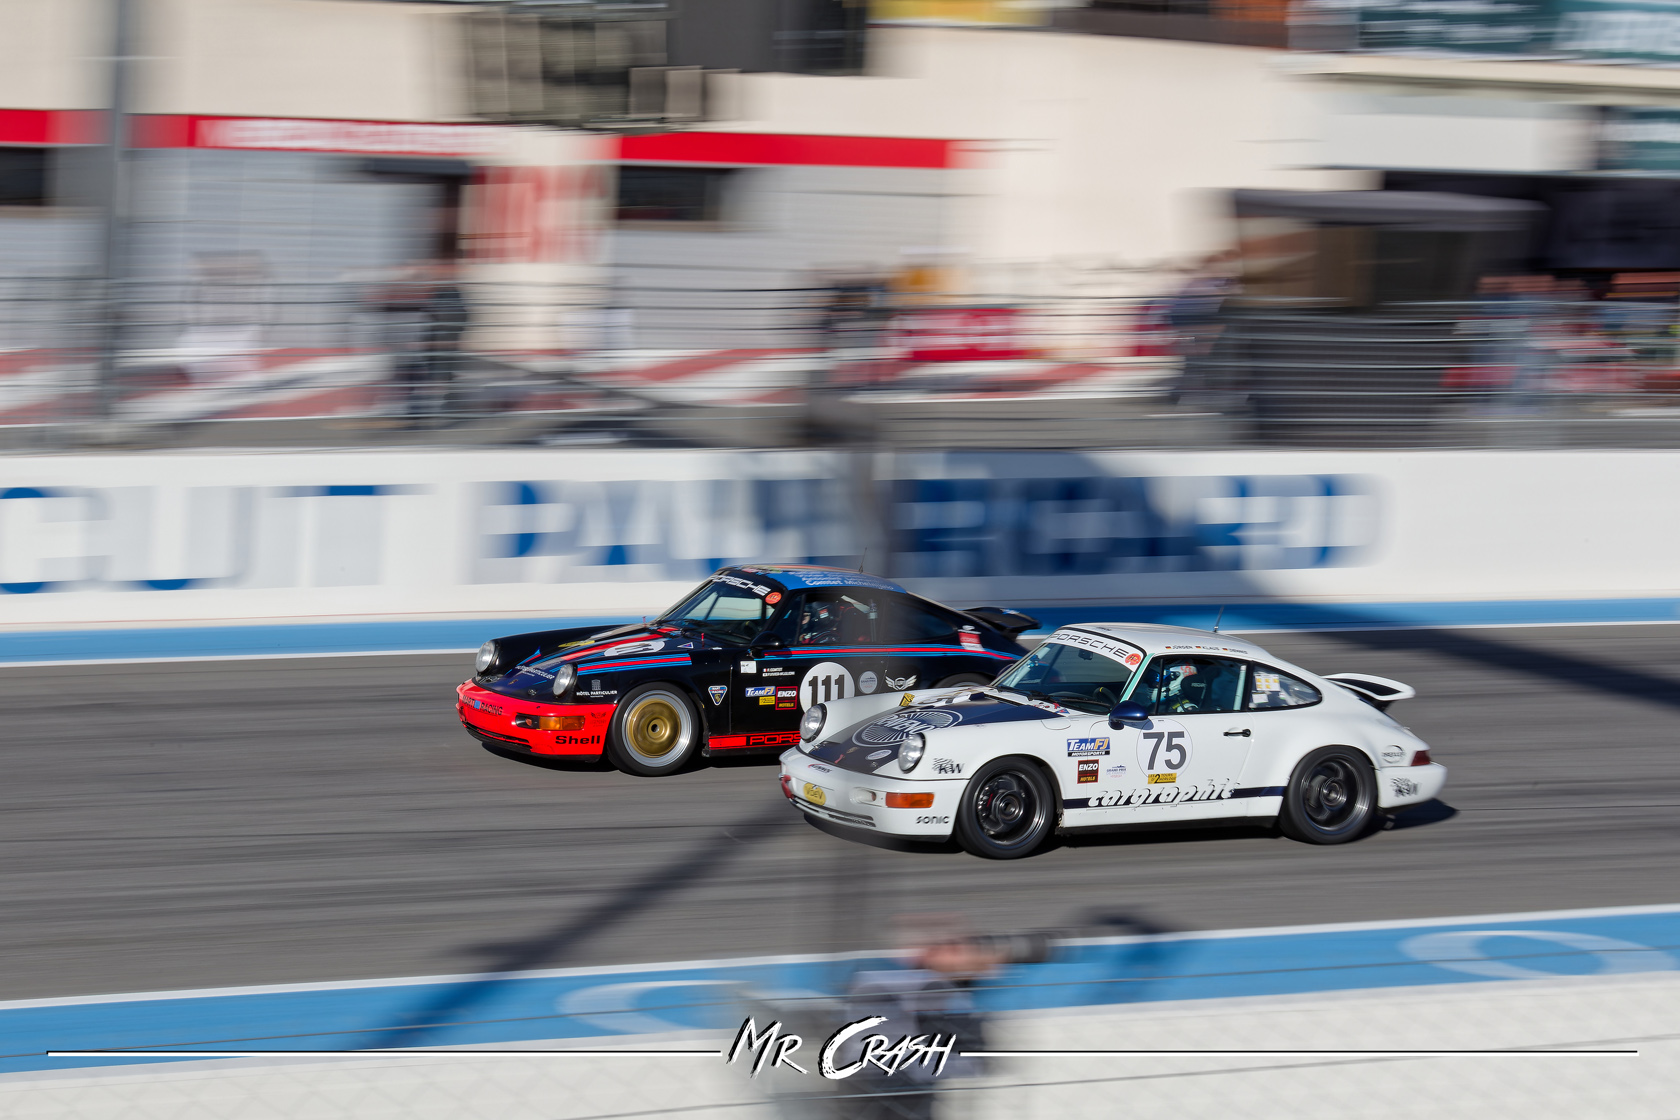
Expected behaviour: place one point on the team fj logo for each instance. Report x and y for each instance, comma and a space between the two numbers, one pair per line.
772, 1047
718, 692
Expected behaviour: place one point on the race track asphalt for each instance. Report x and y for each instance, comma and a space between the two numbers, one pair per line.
188, 825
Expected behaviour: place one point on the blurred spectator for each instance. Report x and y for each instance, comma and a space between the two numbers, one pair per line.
931, 994
426, 316
1193, 315
230, 303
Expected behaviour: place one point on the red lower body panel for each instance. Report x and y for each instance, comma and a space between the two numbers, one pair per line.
490, 716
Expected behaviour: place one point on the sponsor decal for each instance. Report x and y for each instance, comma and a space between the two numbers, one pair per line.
744, 584
758, 690
773, 672
900, 726
1088, 770
718, 692
486, 707
599, 694
933, 820
943, 765
815, 794
1393, 754
821, 769
1164, 746
1097, 745
773, 598
787, 699
907, 701
1164, 794
1404, 787
766, 701
1132, 660
578, 740
1108, 647
760, 739
1267, 682
1163, 779
1117, 768
1209, 649
867, 681
823, 682
970, 641
873, 755
749, 666
899, 684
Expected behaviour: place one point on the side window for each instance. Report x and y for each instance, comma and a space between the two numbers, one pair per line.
831, 618
909, 621
1269, 689
1175, 685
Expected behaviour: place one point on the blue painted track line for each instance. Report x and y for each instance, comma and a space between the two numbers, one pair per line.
599, 1003
303, 639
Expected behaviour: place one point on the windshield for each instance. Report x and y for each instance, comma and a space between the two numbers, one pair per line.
1074, 676
723, 610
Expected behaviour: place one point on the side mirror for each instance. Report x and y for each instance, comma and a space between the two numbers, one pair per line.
1127, 711
768, 641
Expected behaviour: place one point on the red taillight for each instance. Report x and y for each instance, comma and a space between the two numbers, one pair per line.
909, 800
787, 787
1421, 758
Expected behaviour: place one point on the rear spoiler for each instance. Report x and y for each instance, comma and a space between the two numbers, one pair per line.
1379, 692
1012, 622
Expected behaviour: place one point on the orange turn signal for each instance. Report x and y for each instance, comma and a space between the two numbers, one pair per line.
549, 723
909, 800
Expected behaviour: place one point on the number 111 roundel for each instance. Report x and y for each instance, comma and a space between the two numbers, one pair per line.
731, 667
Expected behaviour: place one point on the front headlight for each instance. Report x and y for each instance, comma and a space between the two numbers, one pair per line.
910, 751
486, 656
811, 725
564, 678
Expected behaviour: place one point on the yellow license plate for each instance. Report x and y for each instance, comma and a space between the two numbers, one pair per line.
815, 795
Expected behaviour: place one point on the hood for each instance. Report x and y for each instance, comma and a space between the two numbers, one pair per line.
601, 651
870, 744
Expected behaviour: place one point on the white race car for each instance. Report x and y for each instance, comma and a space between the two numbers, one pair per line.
1109, 725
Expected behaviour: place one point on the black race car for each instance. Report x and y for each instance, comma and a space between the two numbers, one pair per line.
729, 668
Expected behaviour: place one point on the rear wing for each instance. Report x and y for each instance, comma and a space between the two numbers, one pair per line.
1010, 621
1379, 692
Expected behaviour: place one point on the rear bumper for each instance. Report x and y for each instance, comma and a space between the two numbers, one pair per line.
859, 800
488, 717
1409, 785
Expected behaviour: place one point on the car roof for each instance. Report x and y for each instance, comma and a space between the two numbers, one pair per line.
794, 577
1155, 638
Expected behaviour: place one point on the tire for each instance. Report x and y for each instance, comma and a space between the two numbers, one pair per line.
655, 730
1331, 797
1007, 810
957, 679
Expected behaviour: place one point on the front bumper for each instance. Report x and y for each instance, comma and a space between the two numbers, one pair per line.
859, 800
489, 717
1398, 786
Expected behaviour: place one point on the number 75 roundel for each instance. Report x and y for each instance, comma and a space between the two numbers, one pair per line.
1163, 748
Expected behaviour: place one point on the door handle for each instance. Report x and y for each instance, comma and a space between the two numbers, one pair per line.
1245, 732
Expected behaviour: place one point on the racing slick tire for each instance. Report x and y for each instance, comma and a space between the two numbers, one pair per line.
957, 680
656, 730
1331, 797
1007, 810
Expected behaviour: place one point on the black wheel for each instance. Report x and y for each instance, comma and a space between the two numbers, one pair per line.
1007, 810
654, 731
956, 680
1331, 798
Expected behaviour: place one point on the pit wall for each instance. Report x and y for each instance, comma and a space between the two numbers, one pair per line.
1279, 539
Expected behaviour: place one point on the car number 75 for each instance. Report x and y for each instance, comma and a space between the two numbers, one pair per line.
1168, 742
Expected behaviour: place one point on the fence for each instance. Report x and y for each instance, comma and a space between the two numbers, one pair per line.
356, 363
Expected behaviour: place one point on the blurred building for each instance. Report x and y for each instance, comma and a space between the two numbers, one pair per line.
659, 172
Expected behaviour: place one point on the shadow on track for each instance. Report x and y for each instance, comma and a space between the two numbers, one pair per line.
553, 946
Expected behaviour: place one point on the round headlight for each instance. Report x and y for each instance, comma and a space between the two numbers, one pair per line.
811, 725
486, 657
910, 752
563, 679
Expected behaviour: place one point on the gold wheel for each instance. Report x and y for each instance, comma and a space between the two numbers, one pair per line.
653, 727
655, 731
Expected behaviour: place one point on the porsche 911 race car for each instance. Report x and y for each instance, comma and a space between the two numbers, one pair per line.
1109, 725
728, 668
